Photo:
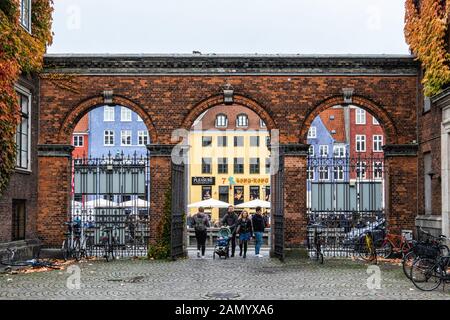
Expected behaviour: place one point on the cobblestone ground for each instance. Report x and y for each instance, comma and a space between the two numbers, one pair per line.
253, 278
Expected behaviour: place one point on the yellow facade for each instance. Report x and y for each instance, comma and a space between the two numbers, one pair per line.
253, 184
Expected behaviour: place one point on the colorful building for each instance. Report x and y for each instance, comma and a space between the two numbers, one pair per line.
229, 158
80, 138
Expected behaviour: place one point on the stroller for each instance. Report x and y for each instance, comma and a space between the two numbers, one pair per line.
222, 247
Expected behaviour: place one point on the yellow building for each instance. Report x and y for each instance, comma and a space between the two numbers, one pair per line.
228, 158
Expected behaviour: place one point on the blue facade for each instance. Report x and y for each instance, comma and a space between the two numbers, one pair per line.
98, 126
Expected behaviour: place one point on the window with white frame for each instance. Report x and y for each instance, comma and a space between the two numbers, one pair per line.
323, 173
78, 141
221, 121
262, 124
339, 151
108, 137
338, 173
360, 116
23, 142
323, 150
310, 172
378, 170
25, 14
360, 143
242, 120
139, 119
125, 136
377, 143
375, 121
108, 113
312, 132
125, 114
361, 170
311, 151
143, 137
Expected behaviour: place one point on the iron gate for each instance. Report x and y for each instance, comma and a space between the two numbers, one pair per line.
178, 209
277, 195
345, 198
111, 192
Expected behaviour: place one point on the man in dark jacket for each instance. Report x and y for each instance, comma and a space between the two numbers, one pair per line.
259, 224
230, 219
200, 223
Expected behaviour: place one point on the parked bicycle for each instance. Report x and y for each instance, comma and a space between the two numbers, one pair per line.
317, 243
75, 244
394, 244
12, 261
109, 242
428, 274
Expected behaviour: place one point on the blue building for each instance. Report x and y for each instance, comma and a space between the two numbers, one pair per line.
116, 129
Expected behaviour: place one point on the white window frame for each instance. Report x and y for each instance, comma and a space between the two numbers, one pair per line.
24, 91
323, 147
109, 138
380, 142
324, 169
25, 22
338, 170
262, 124
108, 114
311, 151
312, 132
126, 115
375, 176
221, 124
77, 139
139, 119
358, 166
375, 121
310, 173
359, 138
341, 153
129, 134
239, 123
142, 134
360, 116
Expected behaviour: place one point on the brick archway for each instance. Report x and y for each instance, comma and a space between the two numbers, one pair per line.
74, 115
374, 109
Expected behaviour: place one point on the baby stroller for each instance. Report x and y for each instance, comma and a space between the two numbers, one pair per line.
222, 247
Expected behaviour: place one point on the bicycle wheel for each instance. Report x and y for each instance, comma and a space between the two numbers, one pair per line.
77, 249
407, 263
65, 250
367, 251
426, 274
386, 250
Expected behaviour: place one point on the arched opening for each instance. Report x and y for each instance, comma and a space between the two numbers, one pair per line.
346, 189
110, 182
229, 161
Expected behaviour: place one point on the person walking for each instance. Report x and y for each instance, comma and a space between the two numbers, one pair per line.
230, 219
200, 223
245, 230
259, 225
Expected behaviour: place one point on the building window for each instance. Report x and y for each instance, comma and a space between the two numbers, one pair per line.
206, 141
360, 116
143, 138
339, 151
267, 166
238, 195
206, 165
25, 14
78, 141
108, 114
361, 170
426, 104
254, 141
206, 192
238, 141
254, 165
311, 151
238, 165
323, 173
378, 170
254, 193
125, 137
221, 121
222, 141
268, 141
427, 171
312, 132
222, 165
19, 219
338, 172
108, 137
262, 124
360, 143
375, 121
139, 119
23, 143
242, 120
310, 173
323, 150
377, 143
125, 114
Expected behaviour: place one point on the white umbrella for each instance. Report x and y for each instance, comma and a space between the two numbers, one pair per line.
254, 203
76, 204
138, 203
100, 203
210, 203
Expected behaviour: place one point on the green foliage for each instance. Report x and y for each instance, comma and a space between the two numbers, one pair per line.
161, 250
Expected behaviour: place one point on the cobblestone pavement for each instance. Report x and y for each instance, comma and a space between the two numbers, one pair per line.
236, 278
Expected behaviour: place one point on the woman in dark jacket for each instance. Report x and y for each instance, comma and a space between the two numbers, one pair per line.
245, 230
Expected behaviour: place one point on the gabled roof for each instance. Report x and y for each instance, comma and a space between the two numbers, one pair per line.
333, 120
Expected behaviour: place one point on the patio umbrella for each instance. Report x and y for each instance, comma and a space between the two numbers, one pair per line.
135, 203
210, 203
254, 203
100, 203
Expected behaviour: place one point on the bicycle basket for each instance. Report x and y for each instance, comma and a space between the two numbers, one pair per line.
425, 251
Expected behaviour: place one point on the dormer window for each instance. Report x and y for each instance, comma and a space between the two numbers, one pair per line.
242, 120
262, 124
25, 14
221, 121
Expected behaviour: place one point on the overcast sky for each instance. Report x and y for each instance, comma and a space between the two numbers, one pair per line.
229, 26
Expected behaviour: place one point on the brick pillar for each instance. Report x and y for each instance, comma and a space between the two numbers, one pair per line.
53, 192
160, 177
401, 186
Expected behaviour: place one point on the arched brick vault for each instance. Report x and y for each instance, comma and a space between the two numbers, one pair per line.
74, 115
238, 99
377, 111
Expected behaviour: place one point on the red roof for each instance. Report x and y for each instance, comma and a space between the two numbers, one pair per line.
333, 120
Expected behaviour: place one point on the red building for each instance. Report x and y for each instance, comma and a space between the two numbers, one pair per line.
366, 141
80, 138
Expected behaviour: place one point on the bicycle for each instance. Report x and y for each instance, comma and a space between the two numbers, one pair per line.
109, 242
317, 243
72, 245
428, 274
367, 250
11, 261
397, 244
